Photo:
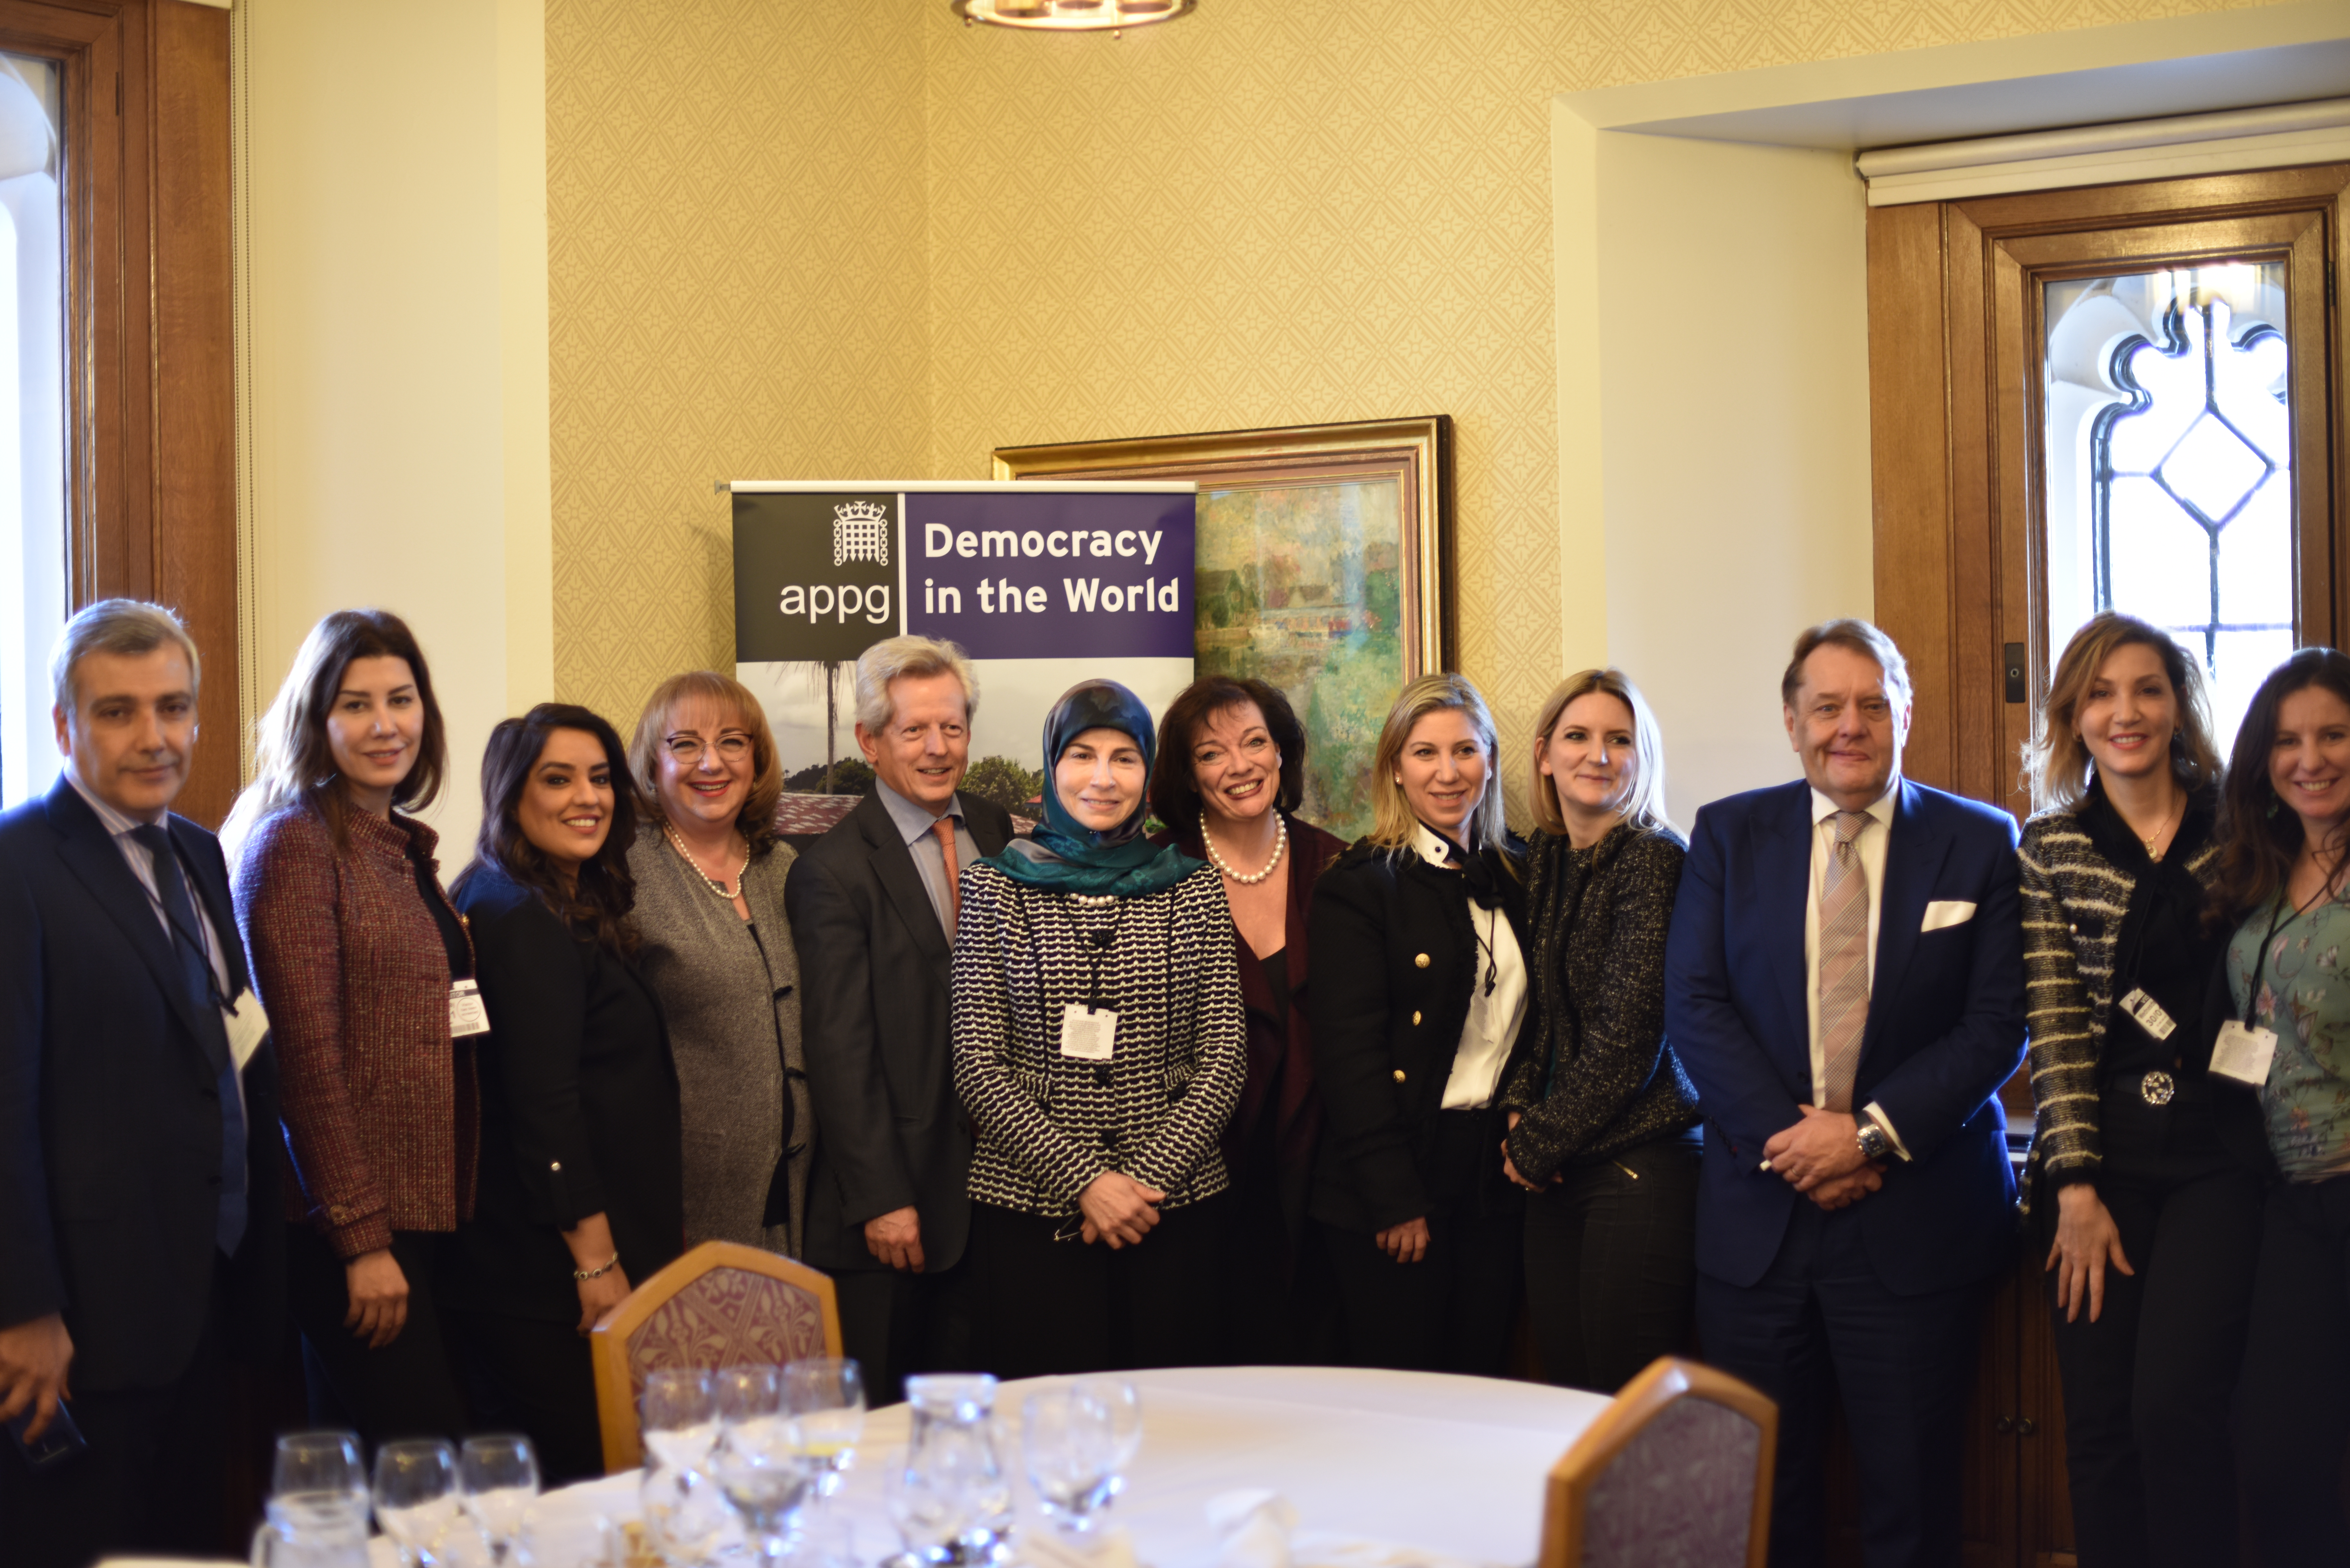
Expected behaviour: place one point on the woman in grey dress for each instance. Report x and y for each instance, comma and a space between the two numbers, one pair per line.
718, 954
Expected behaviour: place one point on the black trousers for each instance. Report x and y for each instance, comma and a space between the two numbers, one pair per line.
153, 1480
1042, 1306
533, 1377
1818, 1322
2147, 1386
1611, 1264
897, 1323
2294, 1405
405, 1390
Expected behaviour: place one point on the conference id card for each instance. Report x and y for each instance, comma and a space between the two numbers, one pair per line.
2149, 1013
2243, 1054
1088, 1033
248, 1026
466, 1015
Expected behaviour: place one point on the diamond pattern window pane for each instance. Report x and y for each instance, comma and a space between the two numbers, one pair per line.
2169, 464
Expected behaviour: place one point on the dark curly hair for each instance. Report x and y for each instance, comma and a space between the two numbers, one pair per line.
1174, 792
2259, 835
599, 901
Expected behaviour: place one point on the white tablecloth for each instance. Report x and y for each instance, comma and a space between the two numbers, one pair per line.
1453, 1465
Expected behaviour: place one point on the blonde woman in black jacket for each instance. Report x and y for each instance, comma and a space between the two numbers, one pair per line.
1602, 1122
1417, 973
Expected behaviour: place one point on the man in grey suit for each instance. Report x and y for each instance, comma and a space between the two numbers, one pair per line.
873, 906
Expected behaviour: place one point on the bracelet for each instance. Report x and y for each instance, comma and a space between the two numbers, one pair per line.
597, 1274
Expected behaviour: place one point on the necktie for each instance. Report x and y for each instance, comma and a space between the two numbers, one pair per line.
196, 974
1844, 962
944, 827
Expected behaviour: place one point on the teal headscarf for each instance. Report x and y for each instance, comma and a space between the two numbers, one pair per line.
1064, 854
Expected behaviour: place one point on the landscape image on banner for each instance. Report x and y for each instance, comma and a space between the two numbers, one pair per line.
1301, 587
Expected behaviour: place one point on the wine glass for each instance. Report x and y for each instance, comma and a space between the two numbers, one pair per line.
1123, 1404
316, 1482
686, 1516
415, 1502
498, 1480
757, 1463
679, 1411
1071, 1448
826, 1396
934, 1510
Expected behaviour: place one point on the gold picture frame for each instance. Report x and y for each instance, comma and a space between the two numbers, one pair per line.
1296, 583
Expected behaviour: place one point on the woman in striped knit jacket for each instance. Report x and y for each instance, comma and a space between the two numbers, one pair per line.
2149, 1222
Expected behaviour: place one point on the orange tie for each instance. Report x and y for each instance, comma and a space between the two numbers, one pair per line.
944, 828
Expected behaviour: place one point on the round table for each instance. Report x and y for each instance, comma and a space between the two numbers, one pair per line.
1450, 1465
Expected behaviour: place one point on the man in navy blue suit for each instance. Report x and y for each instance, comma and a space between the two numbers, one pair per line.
138, 1112
1845, 984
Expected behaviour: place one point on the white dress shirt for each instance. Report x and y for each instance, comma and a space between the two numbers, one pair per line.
920, 825
1870, 843
1494, 1019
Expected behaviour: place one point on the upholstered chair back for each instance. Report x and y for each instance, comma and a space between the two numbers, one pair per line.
718, 1305
1675, 1474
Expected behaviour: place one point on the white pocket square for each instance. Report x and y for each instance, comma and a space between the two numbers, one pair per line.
1944, 912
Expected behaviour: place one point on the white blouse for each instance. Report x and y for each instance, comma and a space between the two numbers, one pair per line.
1493, 1015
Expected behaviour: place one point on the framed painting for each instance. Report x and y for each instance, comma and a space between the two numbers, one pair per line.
1324, 569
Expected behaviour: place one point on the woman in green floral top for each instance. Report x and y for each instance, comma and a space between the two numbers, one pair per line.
2287, 849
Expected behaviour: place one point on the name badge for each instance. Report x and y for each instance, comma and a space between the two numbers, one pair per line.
1089, 1034
2243, 1053
2149, 1014
466, 1013
248, 1026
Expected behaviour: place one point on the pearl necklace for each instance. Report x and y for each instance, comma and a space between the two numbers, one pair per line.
716, 887
1280, 843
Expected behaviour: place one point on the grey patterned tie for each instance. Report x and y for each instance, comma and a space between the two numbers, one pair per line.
1844, 962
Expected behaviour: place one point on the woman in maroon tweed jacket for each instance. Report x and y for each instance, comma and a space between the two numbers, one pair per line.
354, 949
1231, 772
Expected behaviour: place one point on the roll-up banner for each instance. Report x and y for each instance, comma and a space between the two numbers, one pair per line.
1044, 584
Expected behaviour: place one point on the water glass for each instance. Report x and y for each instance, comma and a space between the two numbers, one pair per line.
680, 1412
1122, 1402
951, 1479
498, 1480
1072, 1453
934, 1512
415, 1495
686, 1518
826, 1396
757, 1463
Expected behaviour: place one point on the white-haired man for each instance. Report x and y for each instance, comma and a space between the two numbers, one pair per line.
137, 1226
873, 906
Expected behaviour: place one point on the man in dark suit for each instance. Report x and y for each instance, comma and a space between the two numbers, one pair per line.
1845, 983
137, 1109
873, 906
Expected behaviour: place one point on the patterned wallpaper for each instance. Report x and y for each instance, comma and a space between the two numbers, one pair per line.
892, 244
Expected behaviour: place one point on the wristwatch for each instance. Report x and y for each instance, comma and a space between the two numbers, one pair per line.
1873, 1144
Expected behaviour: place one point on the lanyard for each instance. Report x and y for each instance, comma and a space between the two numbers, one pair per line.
202, 938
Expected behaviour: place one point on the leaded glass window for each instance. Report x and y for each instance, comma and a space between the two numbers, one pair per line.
2170, 465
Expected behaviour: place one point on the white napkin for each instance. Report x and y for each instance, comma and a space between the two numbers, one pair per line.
1050, 1549
1258, 1529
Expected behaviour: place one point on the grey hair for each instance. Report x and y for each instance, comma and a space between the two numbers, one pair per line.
124, 626
896, 657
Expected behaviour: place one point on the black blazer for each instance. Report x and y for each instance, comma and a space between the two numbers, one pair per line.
876, 972
1393, 956
579, 1109
110, 1107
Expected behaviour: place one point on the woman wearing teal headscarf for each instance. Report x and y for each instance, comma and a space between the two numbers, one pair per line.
1101, 1046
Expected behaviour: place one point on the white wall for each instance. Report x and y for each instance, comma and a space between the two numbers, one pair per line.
1715, 486
394, 259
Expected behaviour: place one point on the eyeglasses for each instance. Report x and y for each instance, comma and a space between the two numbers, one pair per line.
733, 747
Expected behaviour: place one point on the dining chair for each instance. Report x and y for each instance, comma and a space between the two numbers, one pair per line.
1675, 1473
720, 1304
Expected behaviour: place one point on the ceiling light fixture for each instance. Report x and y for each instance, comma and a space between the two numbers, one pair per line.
1070, 16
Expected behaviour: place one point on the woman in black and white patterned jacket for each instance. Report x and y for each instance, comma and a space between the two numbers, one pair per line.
1101, 1046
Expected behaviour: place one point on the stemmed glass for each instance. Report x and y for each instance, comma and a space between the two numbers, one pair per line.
318, 1505
758, 1463
686, 1516
498, 1480
415, 1483
1122, 1402
826, 1396
679, 1411
1071, 1446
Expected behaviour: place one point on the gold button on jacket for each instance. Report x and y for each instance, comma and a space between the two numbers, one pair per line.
1398, 1074
1415, 1015
1420, 962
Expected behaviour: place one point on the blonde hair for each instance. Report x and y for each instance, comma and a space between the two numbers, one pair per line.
2056, 761
1393, 824
1644, 808
757, 817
